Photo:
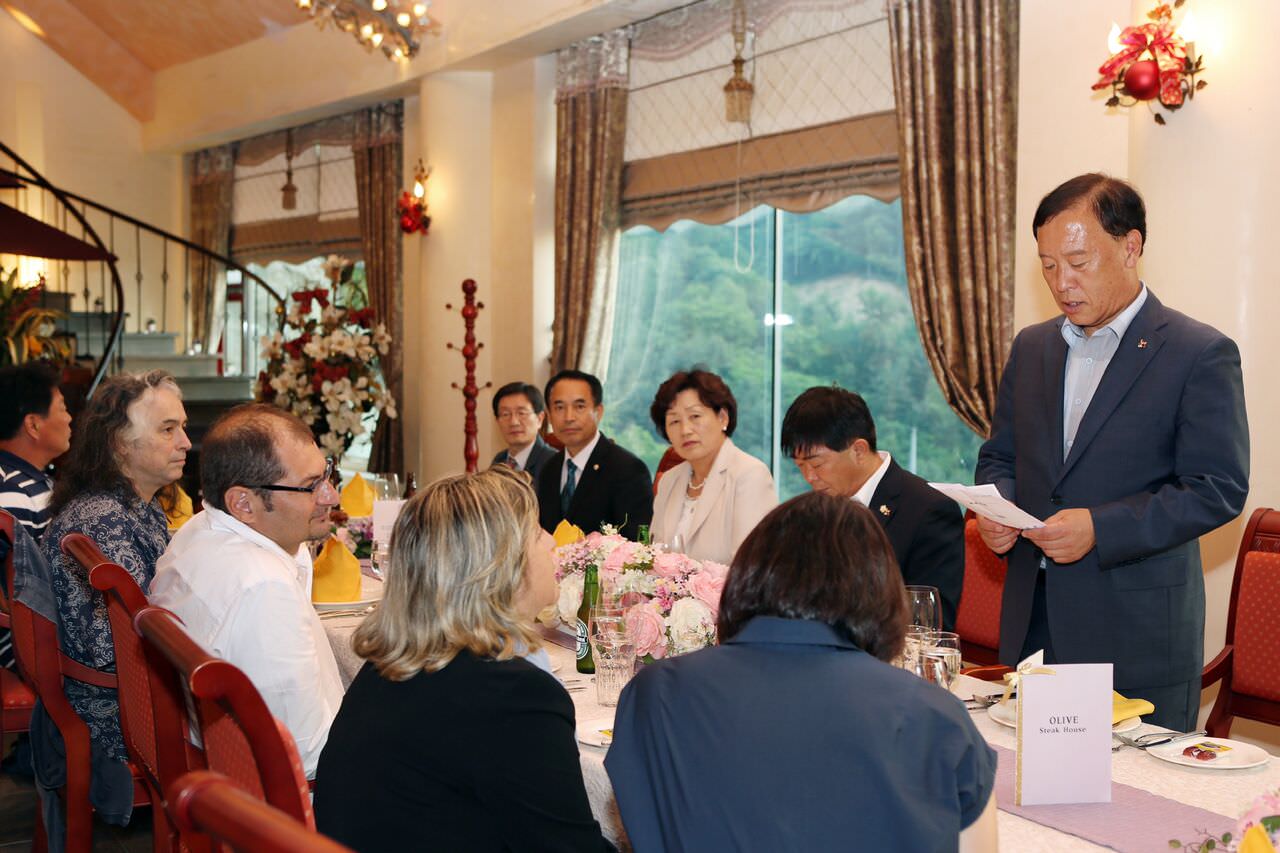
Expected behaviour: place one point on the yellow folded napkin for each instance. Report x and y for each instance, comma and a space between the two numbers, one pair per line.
357, 498
1123, 709
181, 511
1256, 840
567, 534
336, 576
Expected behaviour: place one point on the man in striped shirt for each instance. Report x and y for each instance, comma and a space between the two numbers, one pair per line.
35, 429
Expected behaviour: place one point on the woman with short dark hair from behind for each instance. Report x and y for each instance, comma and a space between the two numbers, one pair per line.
795, 732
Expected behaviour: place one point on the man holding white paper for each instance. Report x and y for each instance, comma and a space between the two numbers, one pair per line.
1122, 424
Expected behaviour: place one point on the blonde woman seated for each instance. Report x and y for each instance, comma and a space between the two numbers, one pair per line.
707, 504
448, 739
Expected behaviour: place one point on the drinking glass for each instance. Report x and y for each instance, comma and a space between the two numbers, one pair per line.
941, 657
677, 544
912, 645
386, 487
615, 657
925, 607
379, 559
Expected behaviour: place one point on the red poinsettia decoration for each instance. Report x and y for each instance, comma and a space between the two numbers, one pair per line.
412, 206
1152, 60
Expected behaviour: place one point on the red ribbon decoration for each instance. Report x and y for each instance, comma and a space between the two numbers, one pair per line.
1166, 47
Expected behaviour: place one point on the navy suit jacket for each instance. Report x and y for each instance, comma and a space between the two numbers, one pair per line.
538, 457
926, 530
614, 488
1161, 457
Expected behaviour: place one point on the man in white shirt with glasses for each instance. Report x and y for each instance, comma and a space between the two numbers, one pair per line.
239, 573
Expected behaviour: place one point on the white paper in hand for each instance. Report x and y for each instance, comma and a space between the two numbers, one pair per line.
988, 503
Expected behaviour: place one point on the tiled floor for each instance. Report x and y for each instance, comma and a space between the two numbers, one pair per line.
17, 822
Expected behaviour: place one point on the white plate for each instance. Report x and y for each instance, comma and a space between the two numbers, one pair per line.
370, 593
1006, 715
1239, 756
598, 732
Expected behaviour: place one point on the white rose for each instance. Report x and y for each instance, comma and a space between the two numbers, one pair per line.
570, 598
690, 625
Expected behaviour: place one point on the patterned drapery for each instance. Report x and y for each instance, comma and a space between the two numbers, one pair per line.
955, 72
211, 174
377, 148
591, 113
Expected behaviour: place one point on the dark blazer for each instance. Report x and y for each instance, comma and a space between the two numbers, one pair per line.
926, 530
478, 756
789, 737
1161, 457
614, 489
538, 457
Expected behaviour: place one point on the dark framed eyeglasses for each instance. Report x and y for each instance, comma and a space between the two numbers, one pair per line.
329, 466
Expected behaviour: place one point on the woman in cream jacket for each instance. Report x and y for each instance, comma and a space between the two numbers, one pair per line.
707, 504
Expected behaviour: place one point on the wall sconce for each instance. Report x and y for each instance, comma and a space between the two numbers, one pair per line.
412, 206
1153, 62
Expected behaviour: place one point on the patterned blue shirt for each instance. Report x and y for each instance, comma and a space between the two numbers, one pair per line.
130, 533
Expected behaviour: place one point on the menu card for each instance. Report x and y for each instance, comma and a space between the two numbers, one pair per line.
1064, 734
384, 518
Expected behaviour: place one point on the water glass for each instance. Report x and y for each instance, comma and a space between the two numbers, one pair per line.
615, 658
386, 487
379, 559
925, 607
677, 544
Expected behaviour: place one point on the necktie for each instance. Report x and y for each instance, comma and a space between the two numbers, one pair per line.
566, 494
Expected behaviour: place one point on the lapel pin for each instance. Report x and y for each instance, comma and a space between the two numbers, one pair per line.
1142, 343
884, 510
596, 467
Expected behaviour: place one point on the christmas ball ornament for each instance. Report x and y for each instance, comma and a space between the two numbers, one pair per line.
1142, 80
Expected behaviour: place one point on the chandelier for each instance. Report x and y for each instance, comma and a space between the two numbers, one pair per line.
393, 26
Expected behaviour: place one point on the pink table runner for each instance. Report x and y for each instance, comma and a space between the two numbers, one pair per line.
1134, 820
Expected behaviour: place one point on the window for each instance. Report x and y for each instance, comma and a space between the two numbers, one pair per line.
775, 303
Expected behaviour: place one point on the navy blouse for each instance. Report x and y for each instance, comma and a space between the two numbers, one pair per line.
130, 533
788, 737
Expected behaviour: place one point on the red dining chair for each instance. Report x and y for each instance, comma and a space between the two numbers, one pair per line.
16, 696
670, 459
208, 802
241, 738
44, 666
978, 614
1249, 664
153, 718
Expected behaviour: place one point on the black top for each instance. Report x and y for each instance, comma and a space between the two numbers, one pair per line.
614, 488
926, 530
478, 756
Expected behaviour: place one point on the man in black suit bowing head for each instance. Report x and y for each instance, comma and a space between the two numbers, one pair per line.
592, 481
828, 432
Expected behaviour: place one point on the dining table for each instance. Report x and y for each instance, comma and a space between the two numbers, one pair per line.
1151, 797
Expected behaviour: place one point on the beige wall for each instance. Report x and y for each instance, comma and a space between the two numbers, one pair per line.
82, 141
1209, 178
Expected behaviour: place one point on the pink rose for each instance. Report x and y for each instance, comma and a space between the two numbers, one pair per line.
647, 630
707, 588
667, 565
719, 570
619, 557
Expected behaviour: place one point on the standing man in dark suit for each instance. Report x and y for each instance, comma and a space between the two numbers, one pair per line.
520, 412
592, 481
828, 432
1122, 424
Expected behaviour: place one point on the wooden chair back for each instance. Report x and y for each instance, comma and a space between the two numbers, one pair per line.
1248, 666
17, 699
208, 802
241, 738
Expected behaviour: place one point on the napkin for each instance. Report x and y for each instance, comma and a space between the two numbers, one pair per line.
181, 511
1256, 840
1123, 709
567, 534
357, 498
336, 576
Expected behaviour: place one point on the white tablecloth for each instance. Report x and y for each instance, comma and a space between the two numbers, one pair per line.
1228, 793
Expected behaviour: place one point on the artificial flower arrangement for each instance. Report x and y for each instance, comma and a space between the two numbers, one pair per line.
323, 366
670, 600
355, 533
1257, 831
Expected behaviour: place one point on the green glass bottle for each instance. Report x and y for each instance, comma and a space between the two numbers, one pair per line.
590, 592
642, 534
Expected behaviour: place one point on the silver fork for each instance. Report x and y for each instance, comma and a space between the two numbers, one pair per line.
1156, 738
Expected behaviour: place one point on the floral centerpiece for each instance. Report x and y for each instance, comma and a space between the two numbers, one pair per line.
670, 600
355, 533
1257, 831
324, 366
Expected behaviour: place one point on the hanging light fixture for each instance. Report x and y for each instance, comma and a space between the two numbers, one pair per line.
288, 192
738, 91
396, 27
